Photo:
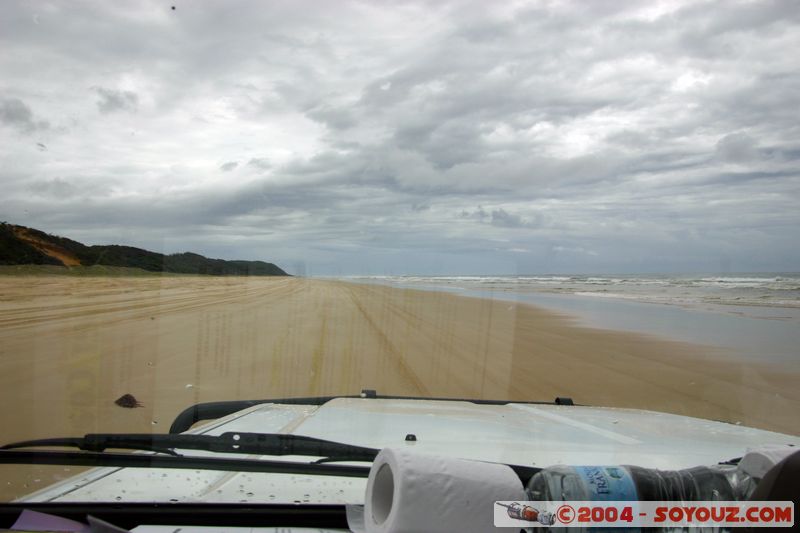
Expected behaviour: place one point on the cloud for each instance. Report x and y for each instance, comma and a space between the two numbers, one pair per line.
14, 112
598, 137
260, 163
55, 188
503, 219
334, 118
575, 250
111, 100
478, 214
737, 148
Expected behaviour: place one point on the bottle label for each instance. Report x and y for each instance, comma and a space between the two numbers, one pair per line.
606, 483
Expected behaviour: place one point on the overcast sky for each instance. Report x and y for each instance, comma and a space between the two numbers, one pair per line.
337, 137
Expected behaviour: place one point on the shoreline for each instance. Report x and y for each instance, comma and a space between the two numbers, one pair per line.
69, 347
737, 328
703, 291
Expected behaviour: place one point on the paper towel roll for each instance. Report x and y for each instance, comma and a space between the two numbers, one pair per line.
758, 461
419, 493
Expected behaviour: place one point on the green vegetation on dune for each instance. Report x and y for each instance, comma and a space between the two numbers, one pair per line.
20, 245
194, 263
80, 271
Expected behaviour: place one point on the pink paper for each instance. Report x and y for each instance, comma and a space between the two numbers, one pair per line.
35, 521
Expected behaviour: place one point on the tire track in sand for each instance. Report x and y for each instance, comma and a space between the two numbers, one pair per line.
396, 356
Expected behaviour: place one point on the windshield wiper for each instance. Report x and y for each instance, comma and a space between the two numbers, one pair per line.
230, 442
183, 462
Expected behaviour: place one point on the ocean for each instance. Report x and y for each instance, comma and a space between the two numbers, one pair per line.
753, 316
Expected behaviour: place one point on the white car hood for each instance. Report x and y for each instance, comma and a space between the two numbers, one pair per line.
524, 434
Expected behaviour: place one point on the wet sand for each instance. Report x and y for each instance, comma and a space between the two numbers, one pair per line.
70, 346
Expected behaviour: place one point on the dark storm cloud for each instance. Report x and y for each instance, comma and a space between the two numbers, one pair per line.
593, 136
110, 100
15, 113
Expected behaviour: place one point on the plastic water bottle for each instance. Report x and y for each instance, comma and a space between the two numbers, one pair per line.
631, 483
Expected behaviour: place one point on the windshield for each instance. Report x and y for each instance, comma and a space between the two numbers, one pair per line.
229, 201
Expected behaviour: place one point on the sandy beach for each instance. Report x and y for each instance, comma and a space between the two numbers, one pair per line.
70, 346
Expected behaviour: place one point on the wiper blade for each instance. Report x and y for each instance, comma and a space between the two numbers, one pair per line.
135, 460
86, 443
132, 460
230, 442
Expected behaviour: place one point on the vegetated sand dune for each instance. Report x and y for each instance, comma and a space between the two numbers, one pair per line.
70, 346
